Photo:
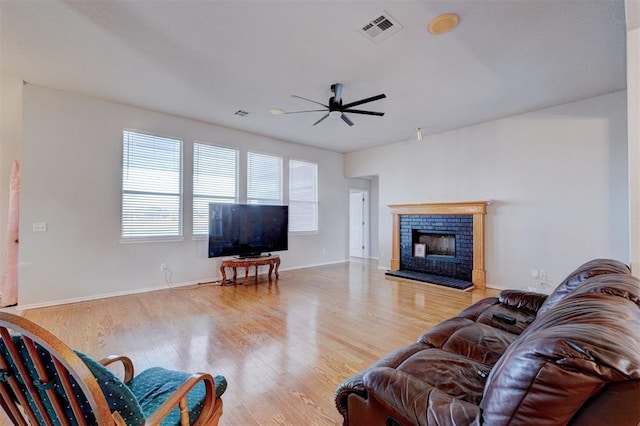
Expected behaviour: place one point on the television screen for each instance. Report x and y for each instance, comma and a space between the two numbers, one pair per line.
247, 230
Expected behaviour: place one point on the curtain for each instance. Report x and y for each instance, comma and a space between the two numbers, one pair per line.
9, 283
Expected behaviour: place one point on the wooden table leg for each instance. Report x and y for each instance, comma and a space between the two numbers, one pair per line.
235, 275
270, 270
277, 267
224, 274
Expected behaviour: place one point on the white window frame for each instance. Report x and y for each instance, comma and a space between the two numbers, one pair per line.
211, 195
132, 191
311, 199
253, 174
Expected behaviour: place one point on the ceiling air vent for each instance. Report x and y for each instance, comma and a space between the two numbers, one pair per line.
242, 113
379, 28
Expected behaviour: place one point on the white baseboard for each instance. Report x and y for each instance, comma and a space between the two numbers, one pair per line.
315, 265
19, 308
107, 295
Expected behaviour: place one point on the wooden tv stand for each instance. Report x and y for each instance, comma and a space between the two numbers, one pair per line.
247, 263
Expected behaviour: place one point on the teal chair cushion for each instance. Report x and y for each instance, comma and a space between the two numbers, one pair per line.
153, 386
118, 395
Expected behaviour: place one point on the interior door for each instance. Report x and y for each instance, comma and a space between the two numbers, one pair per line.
358, 223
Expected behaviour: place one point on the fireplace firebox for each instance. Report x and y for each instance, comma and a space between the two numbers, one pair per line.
434, 244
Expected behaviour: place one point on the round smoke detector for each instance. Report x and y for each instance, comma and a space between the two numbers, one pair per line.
443, 23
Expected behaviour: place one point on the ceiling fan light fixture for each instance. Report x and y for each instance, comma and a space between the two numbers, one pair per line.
335, 114
443, 23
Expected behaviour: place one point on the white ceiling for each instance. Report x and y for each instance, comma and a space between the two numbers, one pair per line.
207, 59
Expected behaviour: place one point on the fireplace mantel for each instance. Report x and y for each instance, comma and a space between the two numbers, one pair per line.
477, 209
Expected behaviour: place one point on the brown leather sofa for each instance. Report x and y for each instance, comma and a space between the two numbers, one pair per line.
572, 357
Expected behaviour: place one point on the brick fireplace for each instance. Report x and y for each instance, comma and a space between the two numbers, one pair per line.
441, 243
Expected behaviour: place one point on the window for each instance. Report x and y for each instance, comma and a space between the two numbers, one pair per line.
151, 186
264, 179
303, 196
215, 179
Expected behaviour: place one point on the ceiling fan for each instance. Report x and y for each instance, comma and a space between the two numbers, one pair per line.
335, 108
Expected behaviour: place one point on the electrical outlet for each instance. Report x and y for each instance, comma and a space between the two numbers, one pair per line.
163, 266
39, 226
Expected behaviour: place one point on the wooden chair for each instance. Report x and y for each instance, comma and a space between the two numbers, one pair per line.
44, 382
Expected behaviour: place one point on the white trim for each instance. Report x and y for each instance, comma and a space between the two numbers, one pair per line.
301, 233
19, 308
151, 240
546, 290
314, 265
108, 295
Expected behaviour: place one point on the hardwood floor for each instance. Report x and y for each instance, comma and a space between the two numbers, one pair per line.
283, 348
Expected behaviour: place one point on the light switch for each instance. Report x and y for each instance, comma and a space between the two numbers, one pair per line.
39, 226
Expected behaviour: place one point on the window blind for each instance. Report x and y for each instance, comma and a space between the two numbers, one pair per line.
151, 186
303, 196
264, 179
215, 179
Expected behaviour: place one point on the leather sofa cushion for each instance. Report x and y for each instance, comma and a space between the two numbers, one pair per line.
571, 352
453, 374
480, 342
522, 318
477, 341
438, 335
580, 275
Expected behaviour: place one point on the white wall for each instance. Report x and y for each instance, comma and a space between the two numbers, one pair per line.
633, 104
558, 178
71, 154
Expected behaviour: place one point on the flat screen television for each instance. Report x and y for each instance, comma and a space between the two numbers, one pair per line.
247, 230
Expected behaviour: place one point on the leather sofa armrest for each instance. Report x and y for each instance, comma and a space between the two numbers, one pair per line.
354, 383
416, 400
528, 301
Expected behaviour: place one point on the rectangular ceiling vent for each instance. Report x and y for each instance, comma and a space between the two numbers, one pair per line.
242, 113
379, 28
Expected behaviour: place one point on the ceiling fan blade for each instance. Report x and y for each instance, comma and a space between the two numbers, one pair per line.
337, 90
325, 116
309, 110
346, 120
300, 97
364, 101
359, 111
